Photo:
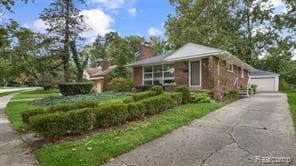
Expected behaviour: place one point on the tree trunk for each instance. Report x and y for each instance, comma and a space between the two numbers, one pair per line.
79, 66
66, 55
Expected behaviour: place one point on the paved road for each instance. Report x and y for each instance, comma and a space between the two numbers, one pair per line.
241, 133
3, 90
13, 151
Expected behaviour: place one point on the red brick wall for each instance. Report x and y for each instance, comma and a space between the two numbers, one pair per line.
244, 81
209, 76
182, 73
213, 72
228, 78
205, 74
146, 51
137, 76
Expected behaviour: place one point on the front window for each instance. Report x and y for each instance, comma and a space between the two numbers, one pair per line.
229, 67
169, 74
148, 75
159, 74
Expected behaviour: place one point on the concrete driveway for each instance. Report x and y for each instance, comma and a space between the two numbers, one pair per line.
251, 131
13, 150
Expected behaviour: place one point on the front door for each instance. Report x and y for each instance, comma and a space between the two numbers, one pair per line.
195, 73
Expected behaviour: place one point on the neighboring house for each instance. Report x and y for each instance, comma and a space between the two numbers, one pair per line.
198, 67
99, 75
266, 81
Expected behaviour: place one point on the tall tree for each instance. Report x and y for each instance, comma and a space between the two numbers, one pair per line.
246, 28
160, 46
208, 22
65, 24
80, 60
134, 43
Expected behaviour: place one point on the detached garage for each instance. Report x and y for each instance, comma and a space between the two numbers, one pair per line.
266, 81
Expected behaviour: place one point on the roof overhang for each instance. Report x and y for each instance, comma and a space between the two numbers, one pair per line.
236, 61
190, 57
265, 76
95, 78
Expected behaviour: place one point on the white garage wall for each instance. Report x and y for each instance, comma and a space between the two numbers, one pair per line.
266, 83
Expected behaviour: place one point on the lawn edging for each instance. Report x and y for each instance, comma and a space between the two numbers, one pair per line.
292, 103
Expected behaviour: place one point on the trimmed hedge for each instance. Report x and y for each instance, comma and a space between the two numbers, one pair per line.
26, 115
75, 88
50, 124
111, 115
59, 108
73, 122
80, 120
61, 123
158, 104
135, 110
143, 95
72, 106
153, 105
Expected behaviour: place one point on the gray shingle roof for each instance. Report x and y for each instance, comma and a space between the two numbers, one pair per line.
262, 73
191, 50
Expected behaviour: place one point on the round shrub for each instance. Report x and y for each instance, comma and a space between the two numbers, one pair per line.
254, 87
157, 89
185, 93
176, 96
120, 84
75, 88
230, 96
201, 97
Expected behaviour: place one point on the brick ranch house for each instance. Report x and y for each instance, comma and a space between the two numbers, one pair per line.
99, 75
198, 67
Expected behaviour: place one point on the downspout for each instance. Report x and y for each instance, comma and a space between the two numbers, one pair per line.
218, 79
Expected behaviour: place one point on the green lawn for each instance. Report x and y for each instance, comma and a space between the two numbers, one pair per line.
7, 93
14, 111
292, 102
36, 94
94, 150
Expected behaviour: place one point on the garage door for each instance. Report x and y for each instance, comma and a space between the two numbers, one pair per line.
264, 84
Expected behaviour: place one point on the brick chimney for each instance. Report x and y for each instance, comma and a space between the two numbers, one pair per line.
146, 51
105, 64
